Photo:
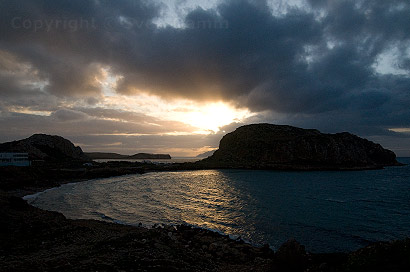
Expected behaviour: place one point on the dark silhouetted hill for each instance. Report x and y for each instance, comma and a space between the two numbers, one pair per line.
267, 146
47, 148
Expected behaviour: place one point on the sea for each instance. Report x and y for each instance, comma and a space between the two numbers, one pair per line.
330, 211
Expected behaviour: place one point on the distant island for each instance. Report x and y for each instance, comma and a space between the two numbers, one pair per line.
280, 147
139, 156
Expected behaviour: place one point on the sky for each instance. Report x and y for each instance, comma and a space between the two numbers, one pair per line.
174, 76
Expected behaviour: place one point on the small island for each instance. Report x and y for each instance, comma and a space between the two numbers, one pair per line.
138, 156
279, 147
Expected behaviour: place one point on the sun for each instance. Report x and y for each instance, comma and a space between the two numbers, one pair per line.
213, 116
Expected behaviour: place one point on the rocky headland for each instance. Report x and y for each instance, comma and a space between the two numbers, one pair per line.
56, 160
267, 146
50, 148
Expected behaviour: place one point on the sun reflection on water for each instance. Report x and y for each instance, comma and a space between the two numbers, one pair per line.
206, 199
209, 201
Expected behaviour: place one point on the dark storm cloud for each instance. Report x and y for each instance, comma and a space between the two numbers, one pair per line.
252, 50
64, 39
239, 52
221, 54
313, 66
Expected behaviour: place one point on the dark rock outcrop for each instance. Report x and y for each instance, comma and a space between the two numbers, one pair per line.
47, 148
267, 146
292, 256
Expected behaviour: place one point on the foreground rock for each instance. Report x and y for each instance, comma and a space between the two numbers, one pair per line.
48, 148
266, 146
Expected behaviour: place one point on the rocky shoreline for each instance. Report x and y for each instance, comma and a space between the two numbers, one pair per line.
33, 239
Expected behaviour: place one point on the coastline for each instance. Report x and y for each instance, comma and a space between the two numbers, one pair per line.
129, 247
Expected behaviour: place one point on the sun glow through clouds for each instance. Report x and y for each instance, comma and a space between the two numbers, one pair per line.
213, 116
207, 118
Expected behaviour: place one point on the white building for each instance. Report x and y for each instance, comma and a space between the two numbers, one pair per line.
14, 159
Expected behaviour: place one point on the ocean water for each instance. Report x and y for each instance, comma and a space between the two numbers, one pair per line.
325, 211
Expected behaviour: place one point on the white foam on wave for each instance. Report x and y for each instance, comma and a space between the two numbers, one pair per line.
32, 197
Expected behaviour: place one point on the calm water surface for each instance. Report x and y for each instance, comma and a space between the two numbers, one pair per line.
325, 211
